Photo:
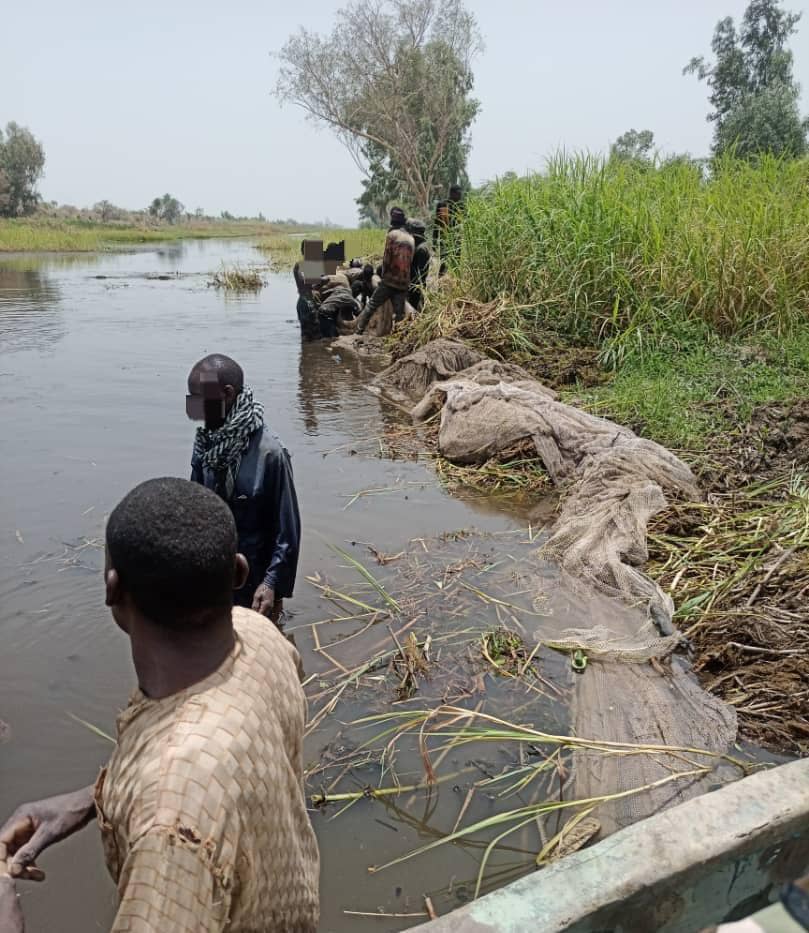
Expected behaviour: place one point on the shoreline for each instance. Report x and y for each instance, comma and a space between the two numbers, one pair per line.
41, 236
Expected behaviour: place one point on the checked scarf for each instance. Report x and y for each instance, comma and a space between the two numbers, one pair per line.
221, 450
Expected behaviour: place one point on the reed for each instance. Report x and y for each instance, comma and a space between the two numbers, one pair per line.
738, 568
238, 278
631, 258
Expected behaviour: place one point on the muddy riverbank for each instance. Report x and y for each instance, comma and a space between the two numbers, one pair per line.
736, 562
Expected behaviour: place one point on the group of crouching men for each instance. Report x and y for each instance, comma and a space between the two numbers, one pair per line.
362, 297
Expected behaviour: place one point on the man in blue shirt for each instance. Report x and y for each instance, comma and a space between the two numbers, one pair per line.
239, 458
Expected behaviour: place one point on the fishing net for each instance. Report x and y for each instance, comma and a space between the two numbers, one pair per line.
618, 702
614, 483
616, 479
365, 346
410, 377
449, 600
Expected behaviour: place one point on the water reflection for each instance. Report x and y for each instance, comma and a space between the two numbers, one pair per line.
309, 385
170, 256
30, 316
331, 391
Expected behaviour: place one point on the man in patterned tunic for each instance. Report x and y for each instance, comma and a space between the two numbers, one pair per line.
201, 807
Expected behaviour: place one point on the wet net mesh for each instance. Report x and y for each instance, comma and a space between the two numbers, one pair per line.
613, 482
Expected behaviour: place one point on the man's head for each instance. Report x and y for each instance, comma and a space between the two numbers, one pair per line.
171, 557
398, 218
455, 193
213, 385
417, 228
367, 271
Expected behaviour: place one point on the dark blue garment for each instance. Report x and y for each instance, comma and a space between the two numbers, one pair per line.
265, 507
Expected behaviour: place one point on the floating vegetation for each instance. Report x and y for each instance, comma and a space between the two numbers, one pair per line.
444, 698
239, 278
524, 475
440, 731
506, 652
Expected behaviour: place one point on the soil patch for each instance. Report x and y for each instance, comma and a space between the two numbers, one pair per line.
565, 366
774, 441
779, 435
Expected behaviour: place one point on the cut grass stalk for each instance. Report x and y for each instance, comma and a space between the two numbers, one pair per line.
529, 813
94, 729
368, 576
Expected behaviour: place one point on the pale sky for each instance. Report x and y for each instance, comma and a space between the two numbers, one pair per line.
132, 100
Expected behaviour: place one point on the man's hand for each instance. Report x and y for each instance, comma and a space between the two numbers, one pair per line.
264, 601
35, 826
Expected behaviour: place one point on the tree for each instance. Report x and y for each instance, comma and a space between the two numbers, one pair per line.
395, 75
107, 211
381, 186
5, 194
633, 146
167, 208
754, 94
22, 160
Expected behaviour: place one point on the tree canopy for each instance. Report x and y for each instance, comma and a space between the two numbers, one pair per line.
22, 161
167, 208
754, 95
634, 145
393, 80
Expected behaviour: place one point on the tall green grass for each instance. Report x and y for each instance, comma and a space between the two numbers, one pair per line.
636, 259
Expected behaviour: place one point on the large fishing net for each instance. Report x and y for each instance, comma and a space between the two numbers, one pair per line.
613, 482
411, 376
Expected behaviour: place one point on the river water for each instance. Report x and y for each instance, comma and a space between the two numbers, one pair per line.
94, 354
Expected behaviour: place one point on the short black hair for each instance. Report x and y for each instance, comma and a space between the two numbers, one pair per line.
398, 218
228, 371
173, 544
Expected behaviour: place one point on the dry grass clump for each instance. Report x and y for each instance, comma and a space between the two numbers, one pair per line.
737, 566
238, 278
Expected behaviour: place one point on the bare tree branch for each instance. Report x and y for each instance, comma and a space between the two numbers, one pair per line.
395, 74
